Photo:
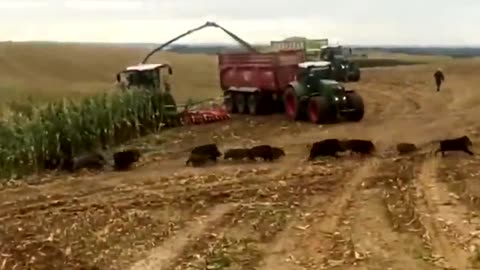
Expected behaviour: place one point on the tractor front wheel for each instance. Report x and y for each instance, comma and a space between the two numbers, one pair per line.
318, 110
356, 102
292, 104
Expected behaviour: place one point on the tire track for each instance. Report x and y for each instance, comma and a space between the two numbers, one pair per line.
248, 231
322, 217
380, 227
161, 256
434, 205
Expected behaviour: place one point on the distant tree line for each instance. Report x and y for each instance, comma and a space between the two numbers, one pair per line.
457, 52
447, 51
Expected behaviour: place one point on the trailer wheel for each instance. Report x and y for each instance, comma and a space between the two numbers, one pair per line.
229, 102
356, 102
240, 102
318, 110
292, 104
254, 101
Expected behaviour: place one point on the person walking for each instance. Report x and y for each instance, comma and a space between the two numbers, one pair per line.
439, 78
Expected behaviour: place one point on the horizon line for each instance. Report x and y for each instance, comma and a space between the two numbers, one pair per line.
253, 43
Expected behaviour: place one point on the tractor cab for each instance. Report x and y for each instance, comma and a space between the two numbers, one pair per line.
318, 70
152, 77
343, 69
329, 53
315, 78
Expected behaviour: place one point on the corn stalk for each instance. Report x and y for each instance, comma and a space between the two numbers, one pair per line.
60, 130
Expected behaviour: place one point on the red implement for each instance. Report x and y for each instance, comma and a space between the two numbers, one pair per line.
198, 117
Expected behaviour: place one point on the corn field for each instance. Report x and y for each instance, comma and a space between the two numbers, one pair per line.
60, 130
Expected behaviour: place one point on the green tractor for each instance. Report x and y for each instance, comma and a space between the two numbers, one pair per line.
344, 69
321, 100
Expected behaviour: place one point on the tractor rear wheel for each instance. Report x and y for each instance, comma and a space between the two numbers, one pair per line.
318, 110
240, 102
229, 102
356, 102
254, 101
292, 104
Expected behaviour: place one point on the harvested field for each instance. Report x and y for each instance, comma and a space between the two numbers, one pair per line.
384, 212
379, 62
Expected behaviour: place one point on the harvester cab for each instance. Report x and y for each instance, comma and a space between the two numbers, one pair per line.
152, 77
149, 77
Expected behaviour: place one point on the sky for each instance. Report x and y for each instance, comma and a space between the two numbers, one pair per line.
359, 22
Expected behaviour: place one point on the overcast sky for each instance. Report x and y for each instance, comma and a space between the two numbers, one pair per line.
423, 22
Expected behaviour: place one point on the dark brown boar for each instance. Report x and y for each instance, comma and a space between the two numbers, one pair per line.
328, 147
456, 144
237, 153
123, 160
365, 147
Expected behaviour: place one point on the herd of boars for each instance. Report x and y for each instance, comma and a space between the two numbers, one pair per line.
203, 154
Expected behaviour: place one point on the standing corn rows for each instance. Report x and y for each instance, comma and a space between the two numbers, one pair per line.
63, 129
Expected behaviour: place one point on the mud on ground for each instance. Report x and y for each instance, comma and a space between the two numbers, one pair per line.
382, 212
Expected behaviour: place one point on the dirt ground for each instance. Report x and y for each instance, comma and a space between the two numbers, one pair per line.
382, 212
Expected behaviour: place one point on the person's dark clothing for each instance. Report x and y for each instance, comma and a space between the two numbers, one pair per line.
439, 78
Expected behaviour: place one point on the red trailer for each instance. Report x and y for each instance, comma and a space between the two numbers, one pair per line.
253, 82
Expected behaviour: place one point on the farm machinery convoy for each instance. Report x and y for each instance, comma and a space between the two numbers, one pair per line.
254, 82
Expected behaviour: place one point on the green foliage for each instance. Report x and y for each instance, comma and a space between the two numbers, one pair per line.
45, 136
25, 108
